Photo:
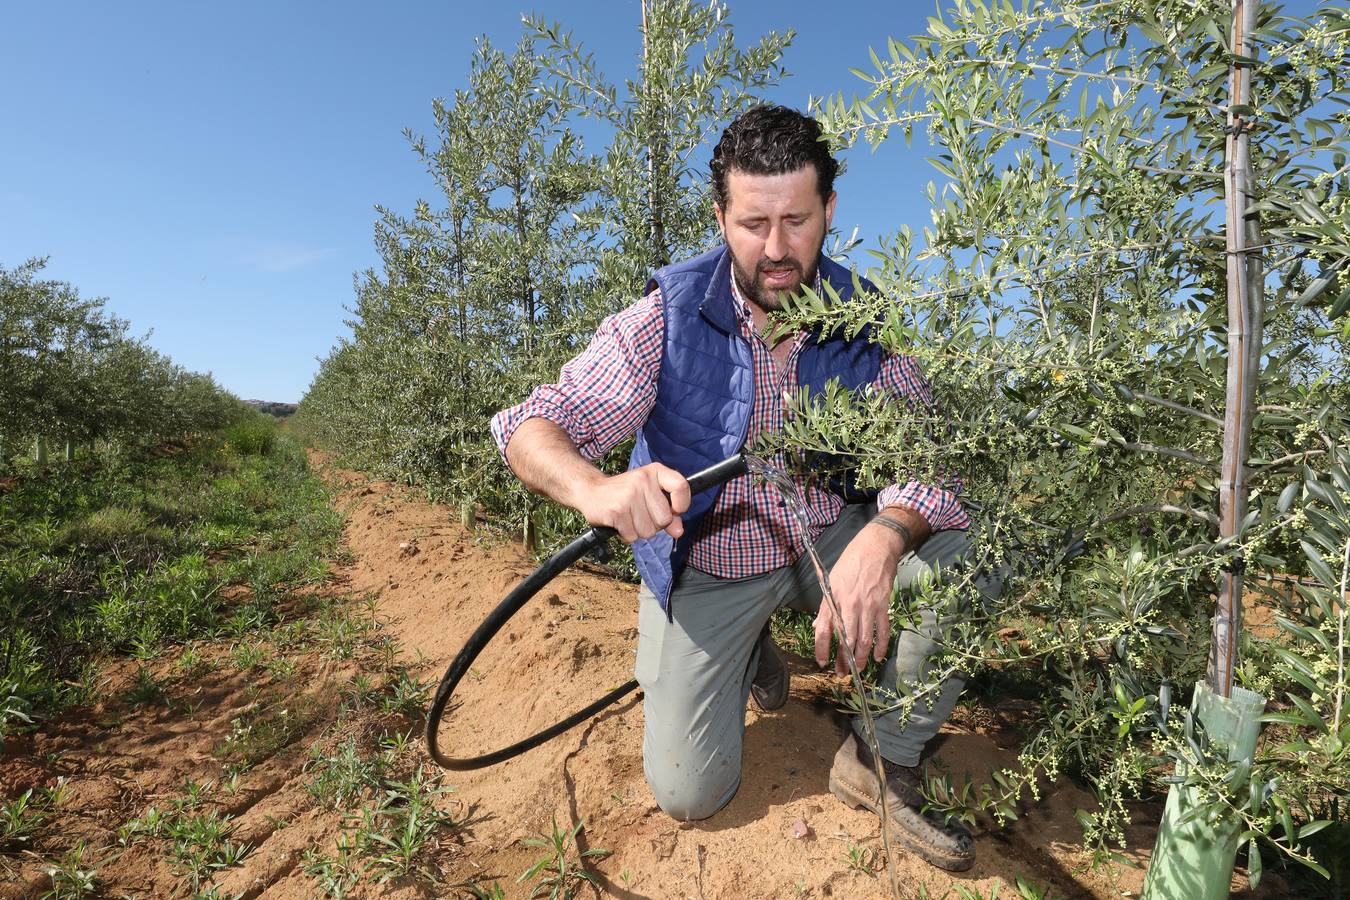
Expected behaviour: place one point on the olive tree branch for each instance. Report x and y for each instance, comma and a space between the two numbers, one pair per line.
1079, 148
1174, 452
1178, 407
1197, 514
1340, 639
1100, 76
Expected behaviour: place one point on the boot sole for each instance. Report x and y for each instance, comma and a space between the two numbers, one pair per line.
771, 703
854, 799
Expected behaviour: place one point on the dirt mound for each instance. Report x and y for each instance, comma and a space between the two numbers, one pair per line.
429, 583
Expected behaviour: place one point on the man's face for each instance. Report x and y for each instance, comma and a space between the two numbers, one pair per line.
775, 226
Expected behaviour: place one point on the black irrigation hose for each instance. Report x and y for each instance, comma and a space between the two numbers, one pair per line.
553, 566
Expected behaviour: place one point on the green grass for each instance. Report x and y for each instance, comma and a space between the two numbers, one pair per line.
74, 875
198, 842
20, 820
346, 776
127, 556
254, 436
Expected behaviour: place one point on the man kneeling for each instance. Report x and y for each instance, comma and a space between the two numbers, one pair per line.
690, 368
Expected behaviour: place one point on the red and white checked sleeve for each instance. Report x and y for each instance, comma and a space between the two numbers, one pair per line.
604, 393
901, 377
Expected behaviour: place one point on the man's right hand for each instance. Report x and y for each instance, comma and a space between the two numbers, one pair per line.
638, 503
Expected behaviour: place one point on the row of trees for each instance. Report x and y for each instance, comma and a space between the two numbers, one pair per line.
72, 375
484, 292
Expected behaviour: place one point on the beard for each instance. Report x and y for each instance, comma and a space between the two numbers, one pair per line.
753, 288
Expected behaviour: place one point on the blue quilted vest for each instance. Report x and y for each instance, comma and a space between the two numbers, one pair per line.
705, 392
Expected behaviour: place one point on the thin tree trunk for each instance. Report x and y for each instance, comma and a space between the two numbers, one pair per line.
466, 517
1246, 307
526, 288
655, 156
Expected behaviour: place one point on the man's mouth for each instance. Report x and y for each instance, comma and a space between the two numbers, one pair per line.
779, 277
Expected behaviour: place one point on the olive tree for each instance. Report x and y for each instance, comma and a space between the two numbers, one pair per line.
531, 240
692, 79
1131, 300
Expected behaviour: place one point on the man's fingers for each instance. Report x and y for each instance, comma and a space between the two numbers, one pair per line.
674, 484
657, 510
846, 639
824, 634
623, 524
883, 643
853, 634
862, 642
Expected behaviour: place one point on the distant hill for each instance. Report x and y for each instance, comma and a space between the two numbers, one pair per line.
280, 410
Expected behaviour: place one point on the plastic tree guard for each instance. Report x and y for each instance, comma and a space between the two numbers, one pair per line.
1194, 855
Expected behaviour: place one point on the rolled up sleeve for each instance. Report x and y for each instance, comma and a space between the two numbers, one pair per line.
938, 502
605, 393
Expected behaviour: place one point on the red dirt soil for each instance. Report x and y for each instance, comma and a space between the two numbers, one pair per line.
435, 582
574, 642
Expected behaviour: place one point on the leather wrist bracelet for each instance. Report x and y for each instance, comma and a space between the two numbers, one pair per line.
899, 528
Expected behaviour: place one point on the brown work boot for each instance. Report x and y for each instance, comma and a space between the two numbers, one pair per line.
853, 779
770, 687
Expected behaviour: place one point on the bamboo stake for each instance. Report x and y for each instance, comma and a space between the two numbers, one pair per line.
1246, 307
529, 536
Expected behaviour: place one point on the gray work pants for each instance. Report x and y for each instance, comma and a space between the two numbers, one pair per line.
696, 671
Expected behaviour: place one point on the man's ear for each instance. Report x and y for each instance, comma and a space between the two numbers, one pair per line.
721, 219
829, 209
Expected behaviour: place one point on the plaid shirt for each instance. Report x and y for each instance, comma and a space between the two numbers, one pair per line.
605, 394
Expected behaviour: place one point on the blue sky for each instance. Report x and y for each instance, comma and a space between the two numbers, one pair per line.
212, 169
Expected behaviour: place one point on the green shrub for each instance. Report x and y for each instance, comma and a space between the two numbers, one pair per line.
253, 436
125, 553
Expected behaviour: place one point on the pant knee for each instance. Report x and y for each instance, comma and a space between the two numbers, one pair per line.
691, 797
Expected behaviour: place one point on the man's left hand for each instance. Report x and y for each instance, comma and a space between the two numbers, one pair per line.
862, 581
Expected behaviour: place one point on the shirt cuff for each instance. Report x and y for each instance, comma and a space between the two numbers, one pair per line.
940, 508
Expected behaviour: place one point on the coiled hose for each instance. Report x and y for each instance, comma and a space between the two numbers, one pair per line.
551, 568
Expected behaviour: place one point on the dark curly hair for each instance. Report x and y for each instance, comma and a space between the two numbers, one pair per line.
771, 140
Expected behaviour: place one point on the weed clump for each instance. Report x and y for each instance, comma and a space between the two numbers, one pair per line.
265, 730
114, 529
199, 842
562, 870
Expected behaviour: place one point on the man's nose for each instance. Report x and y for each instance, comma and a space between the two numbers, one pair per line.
775, 245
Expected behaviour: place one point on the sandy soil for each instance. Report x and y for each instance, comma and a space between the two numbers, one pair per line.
435, 582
